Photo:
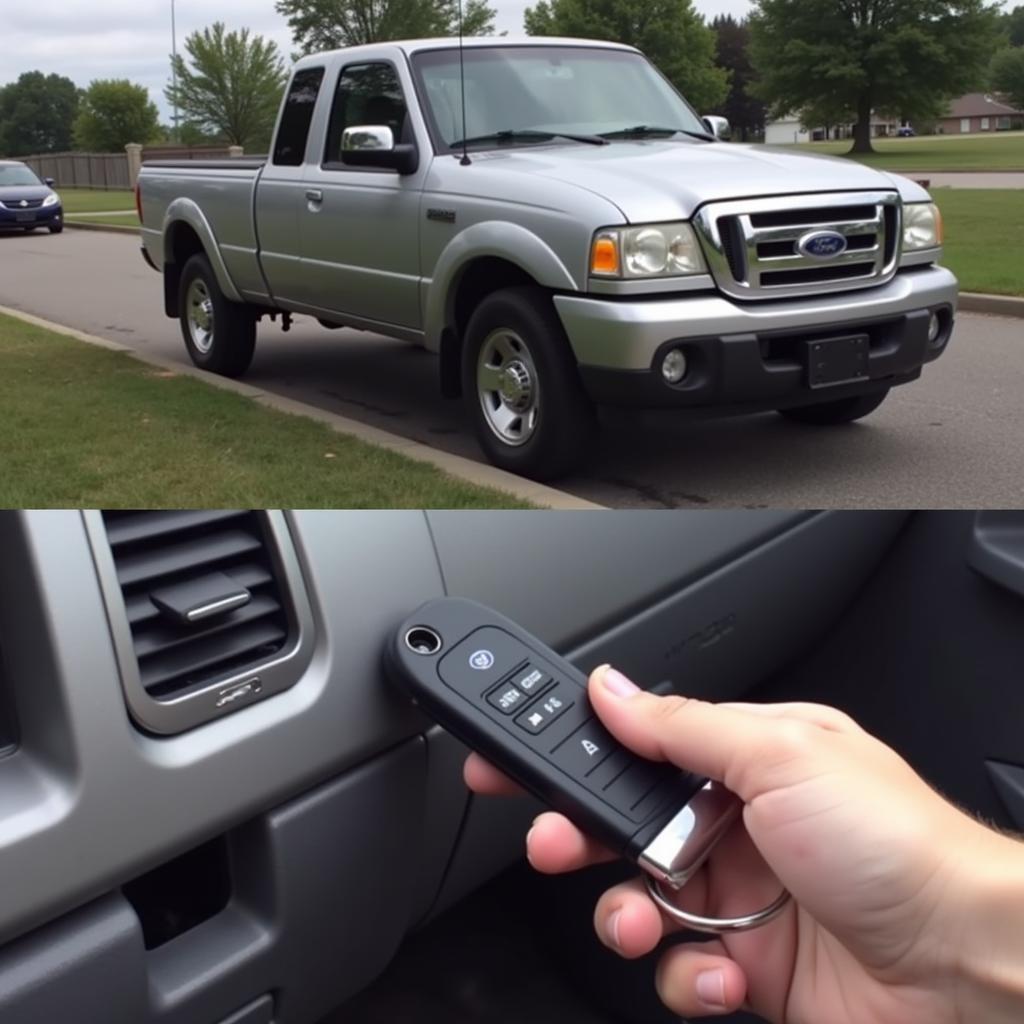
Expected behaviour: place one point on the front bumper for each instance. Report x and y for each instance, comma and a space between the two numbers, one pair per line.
41, 217
748, 357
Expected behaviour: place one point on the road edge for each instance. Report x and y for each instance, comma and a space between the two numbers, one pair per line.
114, 229
476, 473
994, 305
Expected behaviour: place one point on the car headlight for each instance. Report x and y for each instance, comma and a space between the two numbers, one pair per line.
51, 200
655, 250
922, 227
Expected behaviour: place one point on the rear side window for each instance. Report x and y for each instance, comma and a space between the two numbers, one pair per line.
368, 94
292, 136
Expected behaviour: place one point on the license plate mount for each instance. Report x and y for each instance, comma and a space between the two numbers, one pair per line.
832, 362
25, 216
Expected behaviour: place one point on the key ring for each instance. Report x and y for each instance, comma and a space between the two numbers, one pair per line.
715, 925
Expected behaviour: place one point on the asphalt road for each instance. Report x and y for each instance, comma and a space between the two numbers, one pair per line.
953, 439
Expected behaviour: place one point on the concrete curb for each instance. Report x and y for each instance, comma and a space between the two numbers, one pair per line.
476, 473
994, 305
114, 229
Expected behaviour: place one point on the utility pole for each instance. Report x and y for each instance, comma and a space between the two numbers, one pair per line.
174, 72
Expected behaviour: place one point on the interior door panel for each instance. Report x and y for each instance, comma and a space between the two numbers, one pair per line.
267, 864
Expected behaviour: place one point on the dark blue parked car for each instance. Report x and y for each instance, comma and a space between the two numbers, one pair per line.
26, 203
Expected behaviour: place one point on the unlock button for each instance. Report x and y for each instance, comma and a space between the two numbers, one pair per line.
584, 750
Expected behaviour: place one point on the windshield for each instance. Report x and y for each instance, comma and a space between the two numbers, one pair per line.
18, 174
551, 89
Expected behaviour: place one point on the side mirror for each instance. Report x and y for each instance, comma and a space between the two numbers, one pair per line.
374, 146
719, 127
49, 182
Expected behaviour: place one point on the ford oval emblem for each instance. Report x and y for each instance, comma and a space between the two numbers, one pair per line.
823, 245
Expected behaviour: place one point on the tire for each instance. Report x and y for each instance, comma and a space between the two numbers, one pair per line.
220, 335
56, 229
831, 414
536, 420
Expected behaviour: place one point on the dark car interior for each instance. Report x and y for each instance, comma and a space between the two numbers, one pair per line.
216, 809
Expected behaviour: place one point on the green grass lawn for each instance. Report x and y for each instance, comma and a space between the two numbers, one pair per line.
983, 238
88, 427
130, 220
1000, 152
84, 200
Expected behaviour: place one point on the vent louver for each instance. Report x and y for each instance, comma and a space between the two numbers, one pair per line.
160, 553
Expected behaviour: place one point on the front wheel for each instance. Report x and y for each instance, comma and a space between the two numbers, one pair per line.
56, 229
522, 386
830, 414
220, 335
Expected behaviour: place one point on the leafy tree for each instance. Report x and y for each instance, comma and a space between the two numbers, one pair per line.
744, 111
36, 114
670, 32
1008, 76
900, 55
331, 24
113, 113
232, 84
1013, 25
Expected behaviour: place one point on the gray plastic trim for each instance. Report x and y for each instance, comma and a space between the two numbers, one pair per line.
260, 680
997, 548
1008, 780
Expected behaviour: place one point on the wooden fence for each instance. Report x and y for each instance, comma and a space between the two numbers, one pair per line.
115, 170
83, 170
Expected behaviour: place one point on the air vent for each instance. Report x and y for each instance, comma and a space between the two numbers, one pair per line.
209, 609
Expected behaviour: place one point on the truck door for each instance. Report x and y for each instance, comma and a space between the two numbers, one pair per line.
279, 196
360, 226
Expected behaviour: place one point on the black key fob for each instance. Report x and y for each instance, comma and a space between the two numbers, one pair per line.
524, 708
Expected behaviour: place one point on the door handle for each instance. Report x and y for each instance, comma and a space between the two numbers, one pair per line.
314, 195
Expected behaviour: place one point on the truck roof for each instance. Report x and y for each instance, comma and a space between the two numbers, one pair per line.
411, 46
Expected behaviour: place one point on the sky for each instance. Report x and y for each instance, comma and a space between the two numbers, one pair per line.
88, 39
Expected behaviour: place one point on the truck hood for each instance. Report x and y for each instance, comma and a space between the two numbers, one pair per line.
651, 181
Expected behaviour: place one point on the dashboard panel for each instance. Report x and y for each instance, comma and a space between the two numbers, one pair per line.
305, 810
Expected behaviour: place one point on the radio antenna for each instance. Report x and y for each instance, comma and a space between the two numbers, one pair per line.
465, 161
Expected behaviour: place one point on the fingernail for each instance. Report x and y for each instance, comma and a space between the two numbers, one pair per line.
615, 682
613, 928
711, 988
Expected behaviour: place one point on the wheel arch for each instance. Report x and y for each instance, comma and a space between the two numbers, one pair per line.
186, 233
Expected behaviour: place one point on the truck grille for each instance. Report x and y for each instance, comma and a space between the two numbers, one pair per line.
754, 249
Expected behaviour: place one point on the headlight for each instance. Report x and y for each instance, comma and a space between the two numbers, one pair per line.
922, 227
656, 250
51, 200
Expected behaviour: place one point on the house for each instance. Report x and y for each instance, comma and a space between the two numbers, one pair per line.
978, 112
789, 129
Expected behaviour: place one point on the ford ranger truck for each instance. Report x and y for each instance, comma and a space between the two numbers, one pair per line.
565, 232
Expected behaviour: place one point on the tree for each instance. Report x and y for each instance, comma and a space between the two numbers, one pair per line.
113, 113
232, 84
670, 32
36, 114
1008, 76
1013, 25
867, 55
331, 24
744, 111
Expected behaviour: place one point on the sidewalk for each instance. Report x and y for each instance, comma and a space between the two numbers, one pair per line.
970, 179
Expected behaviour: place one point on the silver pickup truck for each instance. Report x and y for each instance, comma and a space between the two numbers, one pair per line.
553, 219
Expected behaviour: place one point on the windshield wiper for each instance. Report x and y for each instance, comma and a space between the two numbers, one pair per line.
641, 131
511, 135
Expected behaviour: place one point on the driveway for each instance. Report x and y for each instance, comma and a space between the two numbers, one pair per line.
952, 439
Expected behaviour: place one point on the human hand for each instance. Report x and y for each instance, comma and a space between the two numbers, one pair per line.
883, 871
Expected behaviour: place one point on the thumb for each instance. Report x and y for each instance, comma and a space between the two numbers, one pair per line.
741, 750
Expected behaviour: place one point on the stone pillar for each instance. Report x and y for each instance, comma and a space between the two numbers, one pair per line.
134, 151
235, 151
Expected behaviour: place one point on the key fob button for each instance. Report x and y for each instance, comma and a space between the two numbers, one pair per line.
531, 680
478, 662
585, 750
549, 708
507, 698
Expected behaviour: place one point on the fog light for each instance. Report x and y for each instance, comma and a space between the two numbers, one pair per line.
934, 329
674, 368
